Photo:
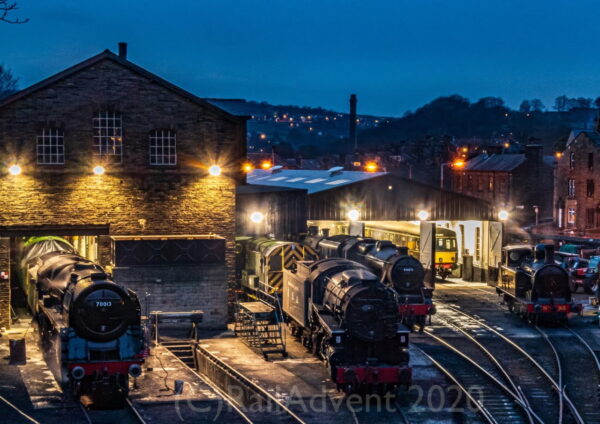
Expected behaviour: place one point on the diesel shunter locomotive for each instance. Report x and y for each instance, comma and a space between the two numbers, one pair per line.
536, 290
90, 326
392, 264
348, 318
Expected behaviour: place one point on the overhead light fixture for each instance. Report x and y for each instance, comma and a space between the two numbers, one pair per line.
14, 170
353, 215
99, 170
214, 170
503, 215
257, 217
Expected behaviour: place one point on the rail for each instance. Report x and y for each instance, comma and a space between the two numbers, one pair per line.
552, 381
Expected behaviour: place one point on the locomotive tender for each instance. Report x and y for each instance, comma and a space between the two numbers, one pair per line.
538, 289
90, 326
392, 264
348, 318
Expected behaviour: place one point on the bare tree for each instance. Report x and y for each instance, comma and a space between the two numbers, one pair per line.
8, 83
537, 105
525, 106
6, 7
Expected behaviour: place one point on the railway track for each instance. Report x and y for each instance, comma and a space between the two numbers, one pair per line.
127, 415
539, 384
255, 405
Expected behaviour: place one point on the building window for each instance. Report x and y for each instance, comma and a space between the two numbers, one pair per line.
459, 185
572, 161
590, 188
571, 187
469, 182
591, 161
108, 135
589, 217
571, 216
502, 186
490, 183
163, 144
51, 147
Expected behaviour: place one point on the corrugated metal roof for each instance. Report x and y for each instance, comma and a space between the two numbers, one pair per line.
506, 162
311, 180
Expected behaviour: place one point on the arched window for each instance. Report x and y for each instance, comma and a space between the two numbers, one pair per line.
163, 147
50, 148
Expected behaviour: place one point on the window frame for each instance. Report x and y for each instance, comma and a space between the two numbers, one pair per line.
571, 187
46, 142
169, 137
102, 141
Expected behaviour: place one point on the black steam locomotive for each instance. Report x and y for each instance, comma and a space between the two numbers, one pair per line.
392, 264
535, 289
90, 326
348, 318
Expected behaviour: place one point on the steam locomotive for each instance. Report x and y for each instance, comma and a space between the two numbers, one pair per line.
536, 290
348, 318
90, 326
392, 264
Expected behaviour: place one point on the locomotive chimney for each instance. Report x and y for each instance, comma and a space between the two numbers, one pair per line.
403, 250
549, 253
352, 140
123, 50
313, 230
325, 232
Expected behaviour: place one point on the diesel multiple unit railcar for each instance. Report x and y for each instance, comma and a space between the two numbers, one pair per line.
90, 326
349, 319
533, 285
392, 264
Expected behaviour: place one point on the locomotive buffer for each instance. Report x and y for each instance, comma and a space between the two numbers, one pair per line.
259, 325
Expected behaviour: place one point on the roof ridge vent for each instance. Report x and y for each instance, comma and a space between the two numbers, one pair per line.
336, 170
276, 169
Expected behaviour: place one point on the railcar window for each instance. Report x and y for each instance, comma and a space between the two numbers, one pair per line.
446, 244
51, 147
108, 135
163, 147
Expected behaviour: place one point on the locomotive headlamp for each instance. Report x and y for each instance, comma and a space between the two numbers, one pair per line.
423, 215
78, 373
503, 215
214, 170
99, 170
353, 215
14, 170
257, 217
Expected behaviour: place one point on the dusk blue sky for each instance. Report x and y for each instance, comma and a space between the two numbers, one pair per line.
395, 54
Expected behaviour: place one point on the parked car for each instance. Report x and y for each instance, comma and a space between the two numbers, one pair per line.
590, 279
577, 268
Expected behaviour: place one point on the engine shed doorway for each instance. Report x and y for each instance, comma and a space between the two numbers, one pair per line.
470, 249
13, 298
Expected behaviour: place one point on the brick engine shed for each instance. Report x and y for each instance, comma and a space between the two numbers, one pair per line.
153, 213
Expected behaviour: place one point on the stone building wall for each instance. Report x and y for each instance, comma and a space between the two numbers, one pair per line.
132, 198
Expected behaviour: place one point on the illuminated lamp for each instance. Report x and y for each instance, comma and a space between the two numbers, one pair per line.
423, 215
371, 166
99, 170
247, 167
257, 217
353, 215
266, 165
14, 170
458, 164
503, 215
214, 170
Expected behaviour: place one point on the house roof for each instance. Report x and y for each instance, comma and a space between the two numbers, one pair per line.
505, 162
312, 180
108, 55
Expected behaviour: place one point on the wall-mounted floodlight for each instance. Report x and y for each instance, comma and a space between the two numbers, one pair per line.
353, 215
257, 217
14, 170
503, 215
214, 170
423, 215
99, 170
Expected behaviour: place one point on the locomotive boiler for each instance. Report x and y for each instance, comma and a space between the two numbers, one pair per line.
349, 319
89, 325
392, 264
535, 288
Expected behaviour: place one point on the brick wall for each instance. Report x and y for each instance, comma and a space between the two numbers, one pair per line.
132, 198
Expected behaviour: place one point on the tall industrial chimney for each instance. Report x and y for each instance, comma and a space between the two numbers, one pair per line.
352, 140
